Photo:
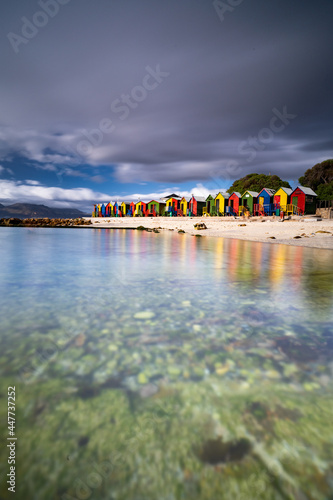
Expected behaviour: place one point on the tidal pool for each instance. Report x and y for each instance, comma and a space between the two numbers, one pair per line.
165, 367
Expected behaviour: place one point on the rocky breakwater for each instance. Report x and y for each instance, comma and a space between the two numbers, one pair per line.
46, 222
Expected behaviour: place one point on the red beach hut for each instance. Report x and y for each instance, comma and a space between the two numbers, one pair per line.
304, 199
196, 205
233, 203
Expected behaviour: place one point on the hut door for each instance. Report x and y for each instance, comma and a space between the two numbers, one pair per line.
277, 199
217, 206
295, 201
261, 200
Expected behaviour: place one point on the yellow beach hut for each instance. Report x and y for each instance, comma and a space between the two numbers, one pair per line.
281, 198
184, 205
221, 201
125, 207
140, 208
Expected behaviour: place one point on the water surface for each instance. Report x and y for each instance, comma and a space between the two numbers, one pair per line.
165, 366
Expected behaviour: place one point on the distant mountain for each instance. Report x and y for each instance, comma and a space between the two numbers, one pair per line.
28, 210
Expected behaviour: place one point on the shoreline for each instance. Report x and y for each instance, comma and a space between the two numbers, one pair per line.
297, 231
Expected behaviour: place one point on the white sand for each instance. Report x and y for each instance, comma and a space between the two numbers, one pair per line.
255, 229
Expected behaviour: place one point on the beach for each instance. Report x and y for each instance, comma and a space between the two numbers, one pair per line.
299, 231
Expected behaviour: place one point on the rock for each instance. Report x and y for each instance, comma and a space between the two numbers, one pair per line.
271, 237
200, 226
181, 231
144, 315
142, 378
242, 225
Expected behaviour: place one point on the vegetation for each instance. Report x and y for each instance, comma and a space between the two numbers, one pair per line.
320, 179
256, 182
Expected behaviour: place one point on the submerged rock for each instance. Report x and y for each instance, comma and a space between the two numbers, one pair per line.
215, 451
144, 315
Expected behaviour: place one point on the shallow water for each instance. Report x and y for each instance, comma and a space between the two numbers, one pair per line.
165, 366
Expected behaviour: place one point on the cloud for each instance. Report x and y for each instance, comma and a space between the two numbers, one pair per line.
30, 191
224, 81
4, 170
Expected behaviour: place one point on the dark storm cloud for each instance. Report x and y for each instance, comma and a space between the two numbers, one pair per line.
210, 116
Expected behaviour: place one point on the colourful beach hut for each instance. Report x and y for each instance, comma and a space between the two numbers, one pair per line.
140, 209
221, 200
132, 209
210, 208
264, 205
155, 208
304, 199
173, 205
184, 204
281, 199
109, 209
248, 200
117, 209
125, 207
196, 205
233, 203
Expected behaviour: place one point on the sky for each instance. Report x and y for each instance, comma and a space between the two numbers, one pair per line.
132, 99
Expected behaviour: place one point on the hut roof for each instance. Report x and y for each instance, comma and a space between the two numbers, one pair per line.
186, 198
237, 194
251, 193
269, 191
224, 194
199, 198
212, 196
288, 191
306, 190
157, 201
173, 195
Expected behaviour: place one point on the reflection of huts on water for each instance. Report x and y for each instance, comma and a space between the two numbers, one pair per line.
233, 204
264, 205
247, 202
221, 202
196, 205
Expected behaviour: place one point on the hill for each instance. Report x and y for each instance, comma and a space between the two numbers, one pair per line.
28, 210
